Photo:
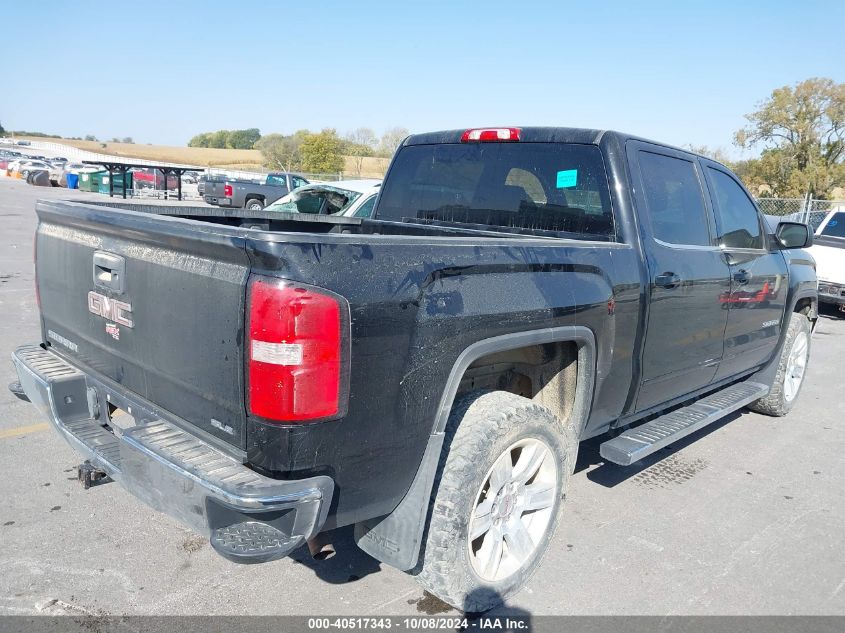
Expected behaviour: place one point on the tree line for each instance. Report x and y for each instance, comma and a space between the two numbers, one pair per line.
227, 139
800, 132
304, 150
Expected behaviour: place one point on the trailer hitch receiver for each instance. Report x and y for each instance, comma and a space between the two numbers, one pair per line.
89, 475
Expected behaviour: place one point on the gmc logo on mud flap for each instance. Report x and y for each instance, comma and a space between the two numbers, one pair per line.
110, 309
382, 541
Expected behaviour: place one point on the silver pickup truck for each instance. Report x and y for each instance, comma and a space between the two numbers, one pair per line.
251, 194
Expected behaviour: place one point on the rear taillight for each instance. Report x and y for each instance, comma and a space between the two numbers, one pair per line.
227, 191
491, 134
296, 351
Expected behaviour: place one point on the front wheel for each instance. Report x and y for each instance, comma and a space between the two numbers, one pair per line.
792, 366
498, 500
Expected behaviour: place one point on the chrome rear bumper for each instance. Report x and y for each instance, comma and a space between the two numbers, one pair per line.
248, 517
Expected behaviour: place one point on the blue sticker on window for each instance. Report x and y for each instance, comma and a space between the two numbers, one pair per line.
833, 223
567, 178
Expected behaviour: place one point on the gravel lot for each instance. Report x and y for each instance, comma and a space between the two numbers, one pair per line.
748, 519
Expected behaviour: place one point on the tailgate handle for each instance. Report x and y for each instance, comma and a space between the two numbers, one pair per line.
108, 271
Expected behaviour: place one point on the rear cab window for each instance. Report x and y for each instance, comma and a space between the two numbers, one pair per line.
543, 188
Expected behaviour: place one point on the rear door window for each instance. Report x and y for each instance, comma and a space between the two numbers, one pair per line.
675, 202
557, 188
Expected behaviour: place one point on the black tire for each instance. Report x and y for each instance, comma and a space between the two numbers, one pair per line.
40, 179
778, 403
254, 204
482, 427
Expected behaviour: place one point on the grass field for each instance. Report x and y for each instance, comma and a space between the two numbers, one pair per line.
246, 159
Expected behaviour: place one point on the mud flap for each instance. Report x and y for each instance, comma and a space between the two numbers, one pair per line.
395, 539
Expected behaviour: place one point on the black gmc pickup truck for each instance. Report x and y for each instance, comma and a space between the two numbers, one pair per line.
426, 374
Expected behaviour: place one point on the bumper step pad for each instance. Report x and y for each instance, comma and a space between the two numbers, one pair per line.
252, 542
641, 441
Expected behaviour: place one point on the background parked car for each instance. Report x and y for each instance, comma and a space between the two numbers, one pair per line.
351, 198
144, 178
190, 177
251, 194
22, 168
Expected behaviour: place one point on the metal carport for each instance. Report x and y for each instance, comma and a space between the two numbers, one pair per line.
122, 168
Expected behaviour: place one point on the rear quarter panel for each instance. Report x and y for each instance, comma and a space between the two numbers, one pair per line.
416, 304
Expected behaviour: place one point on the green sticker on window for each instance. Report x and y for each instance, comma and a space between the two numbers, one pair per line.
567, 178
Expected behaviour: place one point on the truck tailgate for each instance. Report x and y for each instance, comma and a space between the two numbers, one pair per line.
214, 188
155, 304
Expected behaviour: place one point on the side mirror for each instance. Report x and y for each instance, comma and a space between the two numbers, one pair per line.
793, 235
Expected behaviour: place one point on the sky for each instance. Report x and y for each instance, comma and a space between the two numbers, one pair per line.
161, 72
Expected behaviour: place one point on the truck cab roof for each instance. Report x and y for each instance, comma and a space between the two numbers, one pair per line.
534, 134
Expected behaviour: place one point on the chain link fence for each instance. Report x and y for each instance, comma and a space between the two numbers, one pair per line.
806, 210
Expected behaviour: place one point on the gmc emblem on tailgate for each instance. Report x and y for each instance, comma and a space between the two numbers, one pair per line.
111, 309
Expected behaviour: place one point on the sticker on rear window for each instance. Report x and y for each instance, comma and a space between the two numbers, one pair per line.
567, 178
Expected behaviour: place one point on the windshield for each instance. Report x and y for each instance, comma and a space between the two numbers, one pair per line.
555, 187
835, 227
321, 199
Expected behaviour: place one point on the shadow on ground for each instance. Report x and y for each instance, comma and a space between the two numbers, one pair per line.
349, 563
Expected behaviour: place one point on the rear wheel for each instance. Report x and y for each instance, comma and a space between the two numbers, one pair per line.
497, 502
791, 368
254, 204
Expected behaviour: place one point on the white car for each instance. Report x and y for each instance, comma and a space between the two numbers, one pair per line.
350, 198
22, 168
828, 250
